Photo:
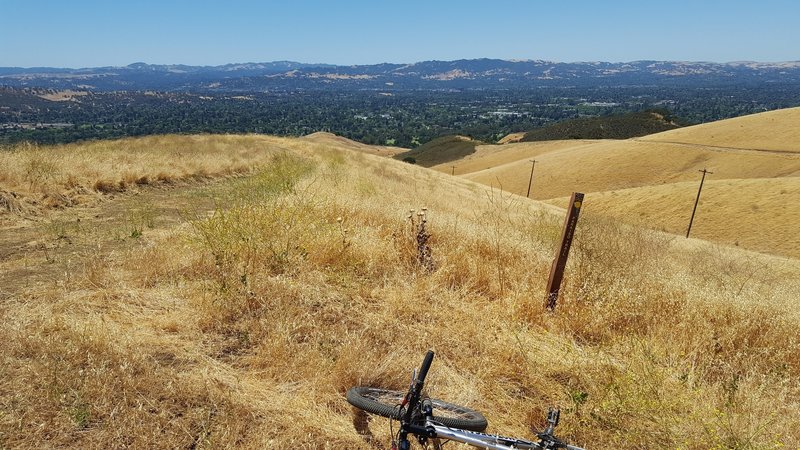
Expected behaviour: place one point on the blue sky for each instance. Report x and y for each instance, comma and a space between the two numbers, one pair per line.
84, 33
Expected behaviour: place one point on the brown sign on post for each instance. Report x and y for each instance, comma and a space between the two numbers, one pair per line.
560, 262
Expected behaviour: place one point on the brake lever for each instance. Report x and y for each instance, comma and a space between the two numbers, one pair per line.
410, 387
547, 440
553, 416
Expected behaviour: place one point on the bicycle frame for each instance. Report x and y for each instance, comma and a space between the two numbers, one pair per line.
488, 441
417, 419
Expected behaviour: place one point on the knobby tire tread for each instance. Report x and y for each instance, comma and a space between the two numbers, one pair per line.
468, 419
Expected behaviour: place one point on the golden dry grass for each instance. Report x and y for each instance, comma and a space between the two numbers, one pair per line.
37, 178
607, 165
340, 142
243, 327
488, 157
773, 130
757, 147
757, 214
511, 137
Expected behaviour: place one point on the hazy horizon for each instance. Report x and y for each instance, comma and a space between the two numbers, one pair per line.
323, 63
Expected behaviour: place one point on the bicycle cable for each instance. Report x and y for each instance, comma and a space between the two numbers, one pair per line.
399, 409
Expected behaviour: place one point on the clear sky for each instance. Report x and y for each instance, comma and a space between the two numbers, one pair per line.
87, 33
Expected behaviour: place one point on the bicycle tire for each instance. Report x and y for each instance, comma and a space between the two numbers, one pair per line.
386, 403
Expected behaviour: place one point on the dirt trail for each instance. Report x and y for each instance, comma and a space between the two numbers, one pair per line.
45, 263
46, 250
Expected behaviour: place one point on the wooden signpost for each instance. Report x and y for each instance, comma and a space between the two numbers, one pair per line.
560, 262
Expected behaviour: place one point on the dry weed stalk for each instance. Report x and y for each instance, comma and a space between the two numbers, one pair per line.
412, 240
424, 252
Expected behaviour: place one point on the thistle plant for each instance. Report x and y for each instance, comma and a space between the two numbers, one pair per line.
420, 236
343, 232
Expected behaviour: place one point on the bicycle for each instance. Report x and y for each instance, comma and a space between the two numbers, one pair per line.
435, 420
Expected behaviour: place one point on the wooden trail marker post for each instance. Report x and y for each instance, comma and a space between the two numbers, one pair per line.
560, 262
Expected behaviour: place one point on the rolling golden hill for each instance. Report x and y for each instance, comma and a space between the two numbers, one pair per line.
757, 214
777, 131
321, 137
758, 147
235, 311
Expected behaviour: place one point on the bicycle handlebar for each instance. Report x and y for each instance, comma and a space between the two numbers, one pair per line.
413, 397
423, 370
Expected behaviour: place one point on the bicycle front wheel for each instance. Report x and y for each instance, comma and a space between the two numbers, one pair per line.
386, 403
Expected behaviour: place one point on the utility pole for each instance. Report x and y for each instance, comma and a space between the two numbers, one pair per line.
453, 171
531, 179
697, 200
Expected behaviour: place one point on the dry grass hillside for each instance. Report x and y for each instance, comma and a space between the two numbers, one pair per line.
758, 214
241, 310
34, 179
488, 157
758, 147
340, 142
608, 165
774, 130
511, 138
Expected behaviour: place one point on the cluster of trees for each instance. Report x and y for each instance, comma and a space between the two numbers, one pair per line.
405, 118
621, 126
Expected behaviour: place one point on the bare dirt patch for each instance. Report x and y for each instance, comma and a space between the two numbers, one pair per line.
63, 96
41, 251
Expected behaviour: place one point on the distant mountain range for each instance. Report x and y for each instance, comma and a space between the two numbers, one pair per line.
434, 75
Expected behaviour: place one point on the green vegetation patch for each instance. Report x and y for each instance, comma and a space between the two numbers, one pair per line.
440, 150
622, 126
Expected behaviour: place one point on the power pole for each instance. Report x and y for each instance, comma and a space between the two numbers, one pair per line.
531, 179
697, 200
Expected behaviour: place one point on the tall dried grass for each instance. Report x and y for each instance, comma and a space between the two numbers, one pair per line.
66, 175
245, 327
652, 181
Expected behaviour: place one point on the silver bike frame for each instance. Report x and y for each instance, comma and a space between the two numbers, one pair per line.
482, 440
476, 439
